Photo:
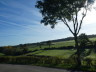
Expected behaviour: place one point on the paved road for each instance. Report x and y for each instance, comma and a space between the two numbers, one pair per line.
29, 68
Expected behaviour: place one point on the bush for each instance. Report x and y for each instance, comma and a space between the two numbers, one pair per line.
33, 60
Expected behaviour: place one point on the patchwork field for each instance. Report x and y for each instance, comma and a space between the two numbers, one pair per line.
59, 54
62, 53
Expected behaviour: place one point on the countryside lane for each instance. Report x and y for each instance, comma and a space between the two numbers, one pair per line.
29, 68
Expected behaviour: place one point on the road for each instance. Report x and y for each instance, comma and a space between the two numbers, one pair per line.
29, 68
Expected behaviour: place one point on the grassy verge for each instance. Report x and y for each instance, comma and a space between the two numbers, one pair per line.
70, 63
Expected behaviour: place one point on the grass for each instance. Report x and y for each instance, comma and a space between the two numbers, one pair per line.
92, 55
1, 54
61, 53
57, 53
56, 44
92, 39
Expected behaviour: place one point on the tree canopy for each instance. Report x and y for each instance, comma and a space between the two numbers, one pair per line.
63, 10
83, 39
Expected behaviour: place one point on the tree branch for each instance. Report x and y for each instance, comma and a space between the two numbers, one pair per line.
84, 14
73, 20
65, 22
76, 22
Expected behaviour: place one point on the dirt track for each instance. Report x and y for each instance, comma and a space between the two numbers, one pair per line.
29, 68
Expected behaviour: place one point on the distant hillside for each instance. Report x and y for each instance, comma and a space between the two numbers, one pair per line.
64, 39
71, 38
57, 40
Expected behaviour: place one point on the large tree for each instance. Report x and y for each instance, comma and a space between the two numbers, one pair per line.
66, 11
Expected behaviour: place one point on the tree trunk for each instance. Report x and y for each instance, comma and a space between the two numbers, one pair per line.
49, 45
78, 50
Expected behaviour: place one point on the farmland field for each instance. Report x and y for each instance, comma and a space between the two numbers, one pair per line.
1, 54
64, 53
56, 44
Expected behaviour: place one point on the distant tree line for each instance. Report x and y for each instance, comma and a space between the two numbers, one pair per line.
57, 40
72, 38
83, 40
14, 50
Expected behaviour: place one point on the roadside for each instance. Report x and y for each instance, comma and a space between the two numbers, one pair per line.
29, 68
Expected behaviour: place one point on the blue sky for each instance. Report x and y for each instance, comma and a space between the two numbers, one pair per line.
20, 23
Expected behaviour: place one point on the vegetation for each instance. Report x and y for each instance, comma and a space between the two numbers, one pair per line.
1, 54
74, 52
87, 64
83, 39
48, 43
65, 11
59, 52
13, 50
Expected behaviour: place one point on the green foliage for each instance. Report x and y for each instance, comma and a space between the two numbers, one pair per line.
83, 39
39, 44
65, 11
87, 64
13, 50
8, 50
53, 10
24, 48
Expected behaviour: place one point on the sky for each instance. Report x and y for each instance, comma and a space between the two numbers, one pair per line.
20, 24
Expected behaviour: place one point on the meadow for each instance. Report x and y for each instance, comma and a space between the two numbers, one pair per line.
62, 53
54, 49
1, 54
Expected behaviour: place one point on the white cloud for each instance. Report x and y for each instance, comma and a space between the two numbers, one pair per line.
20, 6
90, 17
15, 24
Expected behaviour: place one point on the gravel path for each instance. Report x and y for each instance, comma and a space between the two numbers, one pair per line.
29, 68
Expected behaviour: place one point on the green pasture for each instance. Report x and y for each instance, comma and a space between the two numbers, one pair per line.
58, 53
62, 53
56, 44
1, 54
92, 39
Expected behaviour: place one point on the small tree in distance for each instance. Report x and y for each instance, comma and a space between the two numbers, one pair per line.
48, 43
65, 11
39, 44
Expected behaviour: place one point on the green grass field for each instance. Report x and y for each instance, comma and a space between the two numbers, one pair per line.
1, 54
93, 39
58, 53
56, 44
